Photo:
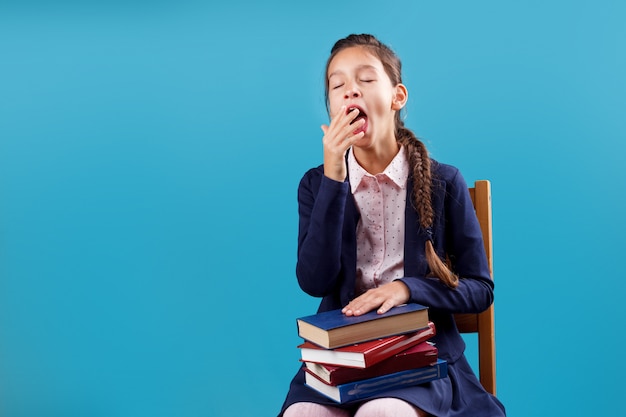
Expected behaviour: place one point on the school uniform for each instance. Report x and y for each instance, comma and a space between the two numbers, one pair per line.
327, 253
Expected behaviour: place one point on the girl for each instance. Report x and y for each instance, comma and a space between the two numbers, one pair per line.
376, 219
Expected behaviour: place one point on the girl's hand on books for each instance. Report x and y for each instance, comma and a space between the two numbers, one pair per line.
383, 298
338, 137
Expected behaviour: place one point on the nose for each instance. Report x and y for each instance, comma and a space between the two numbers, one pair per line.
351, 91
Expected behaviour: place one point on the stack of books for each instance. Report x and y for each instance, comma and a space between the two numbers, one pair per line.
351, 358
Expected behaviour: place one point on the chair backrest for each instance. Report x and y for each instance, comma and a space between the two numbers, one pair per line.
483, 323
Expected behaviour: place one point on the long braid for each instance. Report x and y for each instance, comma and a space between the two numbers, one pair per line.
422, 199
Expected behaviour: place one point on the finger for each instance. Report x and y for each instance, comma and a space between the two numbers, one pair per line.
387, 305
343, 118
338, 113
361, 309
354, 312
351, 128
340, 128
349, 309
350, 116
360, 305
343, 138
324, 128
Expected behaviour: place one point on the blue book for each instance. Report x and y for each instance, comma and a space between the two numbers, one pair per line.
365, 388
332, 329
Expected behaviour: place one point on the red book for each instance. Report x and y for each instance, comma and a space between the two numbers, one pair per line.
418, 356
363, 355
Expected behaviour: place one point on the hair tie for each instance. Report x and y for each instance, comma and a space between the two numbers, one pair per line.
429, 233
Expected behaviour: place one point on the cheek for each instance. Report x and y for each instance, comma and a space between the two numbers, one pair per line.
383, 104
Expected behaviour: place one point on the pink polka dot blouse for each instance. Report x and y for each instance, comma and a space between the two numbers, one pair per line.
381, 201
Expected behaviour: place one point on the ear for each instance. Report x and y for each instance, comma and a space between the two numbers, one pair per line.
400, 96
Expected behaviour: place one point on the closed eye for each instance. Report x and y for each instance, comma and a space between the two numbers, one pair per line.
337, 86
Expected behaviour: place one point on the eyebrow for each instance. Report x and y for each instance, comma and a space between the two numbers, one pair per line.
359, 68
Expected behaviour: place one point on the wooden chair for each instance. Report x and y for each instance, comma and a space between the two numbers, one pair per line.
483, 323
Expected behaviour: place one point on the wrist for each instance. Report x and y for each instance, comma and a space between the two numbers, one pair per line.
334, 172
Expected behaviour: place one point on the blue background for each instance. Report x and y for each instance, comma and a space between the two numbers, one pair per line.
150, 153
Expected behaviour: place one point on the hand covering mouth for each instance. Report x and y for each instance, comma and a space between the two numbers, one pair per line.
361, 115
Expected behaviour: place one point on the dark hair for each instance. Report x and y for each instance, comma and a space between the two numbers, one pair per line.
417, 154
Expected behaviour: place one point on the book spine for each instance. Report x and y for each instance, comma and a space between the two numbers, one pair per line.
344, 375
409, 340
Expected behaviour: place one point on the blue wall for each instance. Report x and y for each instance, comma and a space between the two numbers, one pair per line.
150, 153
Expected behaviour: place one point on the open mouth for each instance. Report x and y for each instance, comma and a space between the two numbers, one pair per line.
360, 116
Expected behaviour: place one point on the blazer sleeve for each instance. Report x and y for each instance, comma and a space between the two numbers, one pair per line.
459, 236
321, 208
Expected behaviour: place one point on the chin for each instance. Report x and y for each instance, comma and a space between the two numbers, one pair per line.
363, 143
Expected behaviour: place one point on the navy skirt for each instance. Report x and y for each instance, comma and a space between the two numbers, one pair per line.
458, 395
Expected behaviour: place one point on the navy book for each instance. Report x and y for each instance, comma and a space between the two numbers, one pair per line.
332, 329
365, 388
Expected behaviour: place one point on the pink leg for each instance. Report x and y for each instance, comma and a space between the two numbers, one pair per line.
388, 407
314, 410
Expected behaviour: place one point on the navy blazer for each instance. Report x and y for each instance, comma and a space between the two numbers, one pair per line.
326, 264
